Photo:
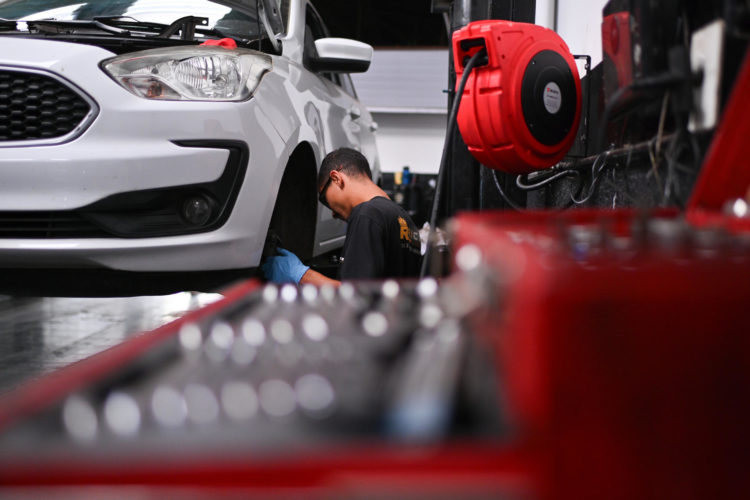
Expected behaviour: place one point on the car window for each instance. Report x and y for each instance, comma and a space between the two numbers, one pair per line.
275, 15
314, 30
285, 6
347, 85
230, 21
315, 24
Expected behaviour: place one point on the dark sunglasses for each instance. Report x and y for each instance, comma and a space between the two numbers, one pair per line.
322, 196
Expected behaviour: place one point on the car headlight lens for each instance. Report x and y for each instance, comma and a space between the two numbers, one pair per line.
195, 73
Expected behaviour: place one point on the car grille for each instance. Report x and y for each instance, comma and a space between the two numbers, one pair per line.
34, 107
47, 225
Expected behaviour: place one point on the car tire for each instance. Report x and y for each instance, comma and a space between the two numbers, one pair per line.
295, 212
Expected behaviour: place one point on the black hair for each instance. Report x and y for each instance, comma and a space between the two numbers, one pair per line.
348, 160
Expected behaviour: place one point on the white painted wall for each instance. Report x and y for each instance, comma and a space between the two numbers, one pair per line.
409, 139
579, 23
404, 91
545, 13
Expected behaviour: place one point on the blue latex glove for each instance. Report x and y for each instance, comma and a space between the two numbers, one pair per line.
284, 268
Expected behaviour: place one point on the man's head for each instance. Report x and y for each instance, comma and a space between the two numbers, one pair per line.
344, 181
347, 160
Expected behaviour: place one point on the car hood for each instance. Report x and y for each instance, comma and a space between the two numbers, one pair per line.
52, 55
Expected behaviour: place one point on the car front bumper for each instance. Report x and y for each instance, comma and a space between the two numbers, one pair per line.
134, 145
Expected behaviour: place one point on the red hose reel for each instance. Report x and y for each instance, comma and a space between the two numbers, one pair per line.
519, 112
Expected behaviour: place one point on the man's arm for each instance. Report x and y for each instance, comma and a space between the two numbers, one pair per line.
287, 268
317, 279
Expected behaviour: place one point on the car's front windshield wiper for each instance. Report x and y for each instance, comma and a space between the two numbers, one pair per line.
54, 26
126, 26
188, 25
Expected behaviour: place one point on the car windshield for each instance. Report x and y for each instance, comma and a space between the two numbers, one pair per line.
227, 20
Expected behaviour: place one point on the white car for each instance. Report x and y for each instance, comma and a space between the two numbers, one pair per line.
128, 143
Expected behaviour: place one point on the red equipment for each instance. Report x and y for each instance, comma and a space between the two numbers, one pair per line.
724, 175
617, 49
624, 350
519, 112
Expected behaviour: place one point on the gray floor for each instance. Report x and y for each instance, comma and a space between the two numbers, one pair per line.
41, 334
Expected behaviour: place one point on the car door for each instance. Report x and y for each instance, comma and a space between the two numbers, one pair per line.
345, 123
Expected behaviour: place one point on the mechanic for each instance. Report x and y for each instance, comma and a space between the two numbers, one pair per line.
382, 241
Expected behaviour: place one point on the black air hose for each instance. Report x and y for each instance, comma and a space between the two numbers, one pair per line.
477, 59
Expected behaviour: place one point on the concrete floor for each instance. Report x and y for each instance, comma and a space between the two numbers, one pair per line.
41, 334
50, 318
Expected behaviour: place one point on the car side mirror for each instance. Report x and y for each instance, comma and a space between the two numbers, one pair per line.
341, 55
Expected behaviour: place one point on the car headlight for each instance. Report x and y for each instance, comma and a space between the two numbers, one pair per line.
195, 73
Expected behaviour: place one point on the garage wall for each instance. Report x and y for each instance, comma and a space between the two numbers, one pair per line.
403, 89
545, 13
414, 140
578, 23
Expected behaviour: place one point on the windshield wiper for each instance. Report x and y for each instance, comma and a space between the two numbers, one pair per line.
186, 26
70, 27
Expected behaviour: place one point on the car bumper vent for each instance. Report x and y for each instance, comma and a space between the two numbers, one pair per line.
47, 225
38, 107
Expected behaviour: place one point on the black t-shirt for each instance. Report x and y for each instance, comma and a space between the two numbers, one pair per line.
381, 242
